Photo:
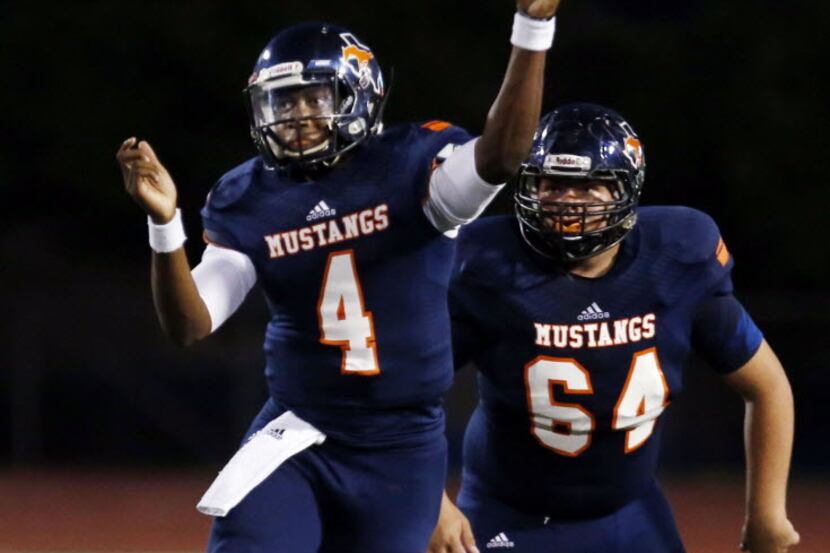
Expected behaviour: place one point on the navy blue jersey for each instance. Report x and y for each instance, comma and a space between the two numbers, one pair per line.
575, 372
355, 278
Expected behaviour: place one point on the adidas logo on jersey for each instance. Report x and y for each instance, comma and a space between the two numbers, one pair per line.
500, 540
593, 313
276, 433
320, 210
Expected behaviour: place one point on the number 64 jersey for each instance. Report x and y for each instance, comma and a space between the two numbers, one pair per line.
574, 373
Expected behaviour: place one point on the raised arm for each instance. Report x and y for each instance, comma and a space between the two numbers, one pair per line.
508, 132
768, 437
462, 187
181, 311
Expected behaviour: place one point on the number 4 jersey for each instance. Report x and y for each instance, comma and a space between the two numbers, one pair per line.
574, 373
356, 280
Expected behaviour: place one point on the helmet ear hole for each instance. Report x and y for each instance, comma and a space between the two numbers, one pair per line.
590, 143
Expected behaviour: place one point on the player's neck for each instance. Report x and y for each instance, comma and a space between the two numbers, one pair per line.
596, 266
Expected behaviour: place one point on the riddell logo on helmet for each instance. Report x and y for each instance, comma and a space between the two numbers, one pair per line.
279, 70
568, 162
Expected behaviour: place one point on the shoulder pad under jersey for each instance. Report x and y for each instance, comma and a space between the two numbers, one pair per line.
233, 185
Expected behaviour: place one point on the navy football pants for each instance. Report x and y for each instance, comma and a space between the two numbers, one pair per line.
333, 498
642, 526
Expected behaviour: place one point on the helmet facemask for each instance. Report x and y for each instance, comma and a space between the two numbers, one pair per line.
304, 119
573, 230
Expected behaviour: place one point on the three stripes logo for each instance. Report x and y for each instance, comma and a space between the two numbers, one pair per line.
276, 433
501, 540
593, 313
320, 210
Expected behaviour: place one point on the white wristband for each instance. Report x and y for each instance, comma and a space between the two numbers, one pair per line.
169, 236
533, 34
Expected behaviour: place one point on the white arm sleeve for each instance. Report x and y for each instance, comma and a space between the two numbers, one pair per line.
224, 277
457, 194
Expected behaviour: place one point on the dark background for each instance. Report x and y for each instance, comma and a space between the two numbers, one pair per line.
729, 98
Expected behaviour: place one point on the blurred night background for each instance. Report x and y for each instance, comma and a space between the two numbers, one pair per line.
729, 98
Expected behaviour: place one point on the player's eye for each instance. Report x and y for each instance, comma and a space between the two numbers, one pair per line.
597, 189
285, 104
555, 188
321, 100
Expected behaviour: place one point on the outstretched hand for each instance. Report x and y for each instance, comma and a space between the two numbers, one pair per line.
540, 9
147, 180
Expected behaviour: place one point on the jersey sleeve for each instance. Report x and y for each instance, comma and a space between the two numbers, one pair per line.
724, 334
435, 142
698, 263
217, 213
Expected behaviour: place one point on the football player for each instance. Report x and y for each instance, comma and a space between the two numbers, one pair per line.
579, 313
349, 231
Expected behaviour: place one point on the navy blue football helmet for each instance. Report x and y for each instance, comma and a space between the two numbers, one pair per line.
309, 74
589, 143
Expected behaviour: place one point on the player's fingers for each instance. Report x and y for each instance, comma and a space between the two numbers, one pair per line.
130, 153
467, 538
795, 539
127, 158
122, 152
142, 162
147, 150
130, 181
455, 545
137, 174
439, 544
127, 144
141, 171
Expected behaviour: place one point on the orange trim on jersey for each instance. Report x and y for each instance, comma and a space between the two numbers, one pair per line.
436, 125
641, 407
344, 345
551, 383
722, 253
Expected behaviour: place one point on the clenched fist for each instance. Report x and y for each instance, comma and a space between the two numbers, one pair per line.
768, 536
147, 181
540, 9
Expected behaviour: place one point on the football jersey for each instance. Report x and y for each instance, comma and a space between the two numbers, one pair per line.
355, 278
574, 372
